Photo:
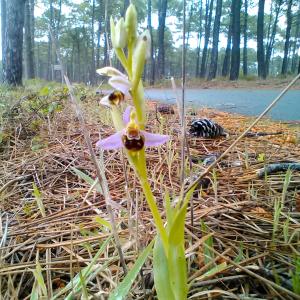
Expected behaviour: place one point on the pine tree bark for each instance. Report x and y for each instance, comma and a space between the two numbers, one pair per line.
271, 41
226, 62
261, 67
199, 38
287, 38
208, 17
214, 52
3, 26
93, 63
12, 60
29, 46
296, 43
236, 38
99, 35
245, 28
162, 12
149, 26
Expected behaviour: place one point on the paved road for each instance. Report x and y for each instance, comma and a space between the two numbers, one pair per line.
248, 102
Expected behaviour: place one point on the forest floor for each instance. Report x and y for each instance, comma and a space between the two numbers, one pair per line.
249, 82
242, 229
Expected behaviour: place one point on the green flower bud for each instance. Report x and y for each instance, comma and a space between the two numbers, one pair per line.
120, 34
113, 32
139, 57
131, 22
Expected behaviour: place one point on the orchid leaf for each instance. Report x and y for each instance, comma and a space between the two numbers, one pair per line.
161, 272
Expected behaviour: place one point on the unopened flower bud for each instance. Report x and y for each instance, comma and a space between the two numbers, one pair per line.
147, 38
131, 22
113, 32
139, 57
120, 34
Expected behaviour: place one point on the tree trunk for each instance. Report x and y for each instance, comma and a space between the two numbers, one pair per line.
93, 63
29, 47
214, 51
261, 67
226, 62
245, 28
149, 26
50, 58
3, 26
106, 45
189, 25
199, 38
296, 43
12, 60
287, 38
236, 38
162, 11
208, 17
99, 36
271, 41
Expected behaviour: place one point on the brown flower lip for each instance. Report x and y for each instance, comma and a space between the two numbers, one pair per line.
133, 143
116, 97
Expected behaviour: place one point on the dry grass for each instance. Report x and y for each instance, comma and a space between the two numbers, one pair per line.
237, 207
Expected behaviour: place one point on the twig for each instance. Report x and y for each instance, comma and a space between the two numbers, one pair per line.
208, 169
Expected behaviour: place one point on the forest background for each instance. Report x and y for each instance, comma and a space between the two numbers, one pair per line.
229, 39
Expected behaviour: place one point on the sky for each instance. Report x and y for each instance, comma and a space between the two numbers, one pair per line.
171, 23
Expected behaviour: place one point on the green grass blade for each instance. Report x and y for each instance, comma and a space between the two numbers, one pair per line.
123, 288
35, 291
103, 222
208, 245
87, 179
88, 271
40, 279
38, 198
214, 271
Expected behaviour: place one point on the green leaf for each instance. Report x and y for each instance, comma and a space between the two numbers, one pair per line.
103, 222
169, 211
176, 235
39, 278
35, 291
261, 157
44, 91
161, 272
38, 198
214, 271
87, 179
207, 245
87, 273
123, 288
176, 254
178, 271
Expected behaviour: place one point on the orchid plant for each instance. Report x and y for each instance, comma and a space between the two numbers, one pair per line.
168, 257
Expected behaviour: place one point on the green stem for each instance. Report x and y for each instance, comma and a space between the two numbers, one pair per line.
122, 58
139, 104
139, 163
129, 60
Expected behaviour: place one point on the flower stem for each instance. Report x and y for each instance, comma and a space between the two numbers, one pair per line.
139, 164
122, 58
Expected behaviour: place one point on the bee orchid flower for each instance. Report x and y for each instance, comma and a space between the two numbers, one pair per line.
118, 81
131, 137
